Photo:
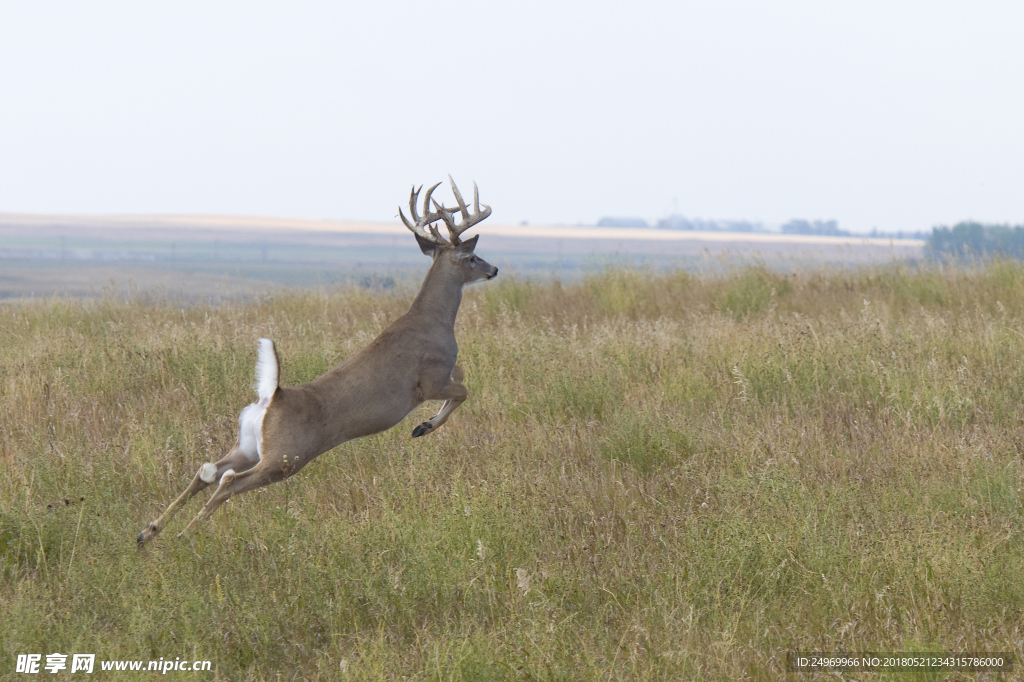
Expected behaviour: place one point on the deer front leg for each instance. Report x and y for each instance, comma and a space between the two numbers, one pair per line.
453, 394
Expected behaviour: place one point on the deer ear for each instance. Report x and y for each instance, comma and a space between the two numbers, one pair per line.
426, 246
468, 245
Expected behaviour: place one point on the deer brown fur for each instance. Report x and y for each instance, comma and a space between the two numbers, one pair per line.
412, 361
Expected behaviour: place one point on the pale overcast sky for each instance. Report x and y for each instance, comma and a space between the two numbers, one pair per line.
888, 114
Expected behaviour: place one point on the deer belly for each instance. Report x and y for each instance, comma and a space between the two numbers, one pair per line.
376, 414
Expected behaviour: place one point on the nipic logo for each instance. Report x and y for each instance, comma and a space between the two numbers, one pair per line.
30, 663
33, 664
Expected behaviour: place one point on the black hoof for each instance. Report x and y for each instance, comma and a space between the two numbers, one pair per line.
141, 538
422, 430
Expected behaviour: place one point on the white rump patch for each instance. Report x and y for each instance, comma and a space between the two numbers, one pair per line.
250, 426
267, 371
207, 472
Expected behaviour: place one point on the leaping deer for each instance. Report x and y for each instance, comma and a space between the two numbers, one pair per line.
413, 360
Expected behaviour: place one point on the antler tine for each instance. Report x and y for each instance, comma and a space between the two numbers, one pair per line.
468, 220
422, 225
435, 235
449, 220
414, 194
476, 205
426, 204
458, 198
405, 220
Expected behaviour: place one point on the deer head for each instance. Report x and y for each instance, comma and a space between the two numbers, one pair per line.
456, 253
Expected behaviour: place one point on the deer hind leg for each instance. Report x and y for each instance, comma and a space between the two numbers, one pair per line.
243, 456
269, 470
454, 394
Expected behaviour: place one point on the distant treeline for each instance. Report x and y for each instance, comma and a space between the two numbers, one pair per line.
821, 227
974, 240
622, 222
963, 240
678, 222
919, 234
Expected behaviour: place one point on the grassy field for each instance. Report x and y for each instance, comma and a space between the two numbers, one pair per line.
654, 477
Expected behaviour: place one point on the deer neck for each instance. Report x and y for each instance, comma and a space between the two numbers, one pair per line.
440, 296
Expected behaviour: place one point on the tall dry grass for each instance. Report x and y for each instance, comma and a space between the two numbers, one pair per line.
654, 477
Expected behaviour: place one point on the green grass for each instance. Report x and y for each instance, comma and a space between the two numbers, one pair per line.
654, 477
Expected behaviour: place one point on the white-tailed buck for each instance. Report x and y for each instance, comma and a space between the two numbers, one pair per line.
413, 360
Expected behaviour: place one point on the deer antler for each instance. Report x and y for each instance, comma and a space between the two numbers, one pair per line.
468, 219
423, 226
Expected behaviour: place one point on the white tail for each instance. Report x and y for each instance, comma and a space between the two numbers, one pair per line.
268, 371
412, 361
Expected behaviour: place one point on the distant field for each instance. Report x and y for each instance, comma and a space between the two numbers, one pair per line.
212, 257
656, 476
